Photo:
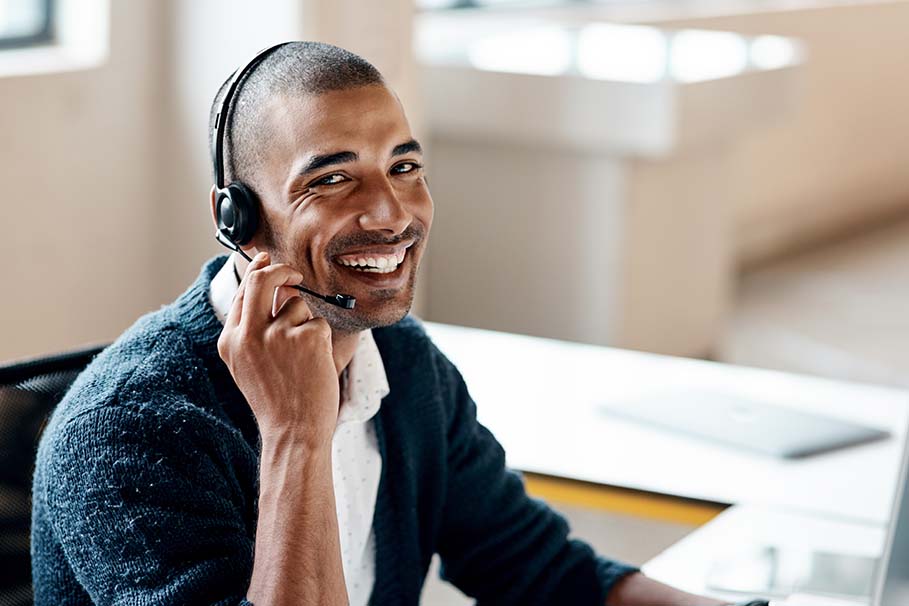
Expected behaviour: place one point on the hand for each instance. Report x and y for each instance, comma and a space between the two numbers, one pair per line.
639, 590
281, 357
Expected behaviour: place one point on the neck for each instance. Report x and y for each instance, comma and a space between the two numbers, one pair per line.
344, 344
343, 347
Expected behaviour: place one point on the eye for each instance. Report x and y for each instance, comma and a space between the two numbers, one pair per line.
332, 179
405, 167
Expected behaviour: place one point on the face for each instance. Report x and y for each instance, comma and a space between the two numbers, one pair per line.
345, 202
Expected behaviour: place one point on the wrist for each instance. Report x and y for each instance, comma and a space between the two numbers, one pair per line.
279, 440
290, 468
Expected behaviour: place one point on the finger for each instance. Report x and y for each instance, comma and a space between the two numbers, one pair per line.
236, 306
282, 295
260, 292
294, 312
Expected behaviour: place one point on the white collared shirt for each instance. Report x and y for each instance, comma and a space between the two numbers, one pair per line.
356, 461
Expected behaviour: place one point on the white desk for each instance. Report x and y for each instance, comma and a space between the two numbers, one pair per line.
688, 563
539, 398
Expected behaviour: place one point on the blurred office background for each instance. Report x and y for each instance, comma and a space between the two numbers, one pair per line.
722, 179
726, 179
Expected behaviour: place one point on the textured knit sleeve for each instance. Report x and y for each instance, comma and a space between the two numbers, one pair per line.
145, 509
497, 544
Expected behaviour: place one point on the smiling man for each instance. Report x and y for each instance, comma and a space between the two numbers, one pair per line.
249, 444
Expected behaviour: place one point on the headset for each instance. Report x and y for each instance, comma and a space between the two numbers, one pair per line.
236, 206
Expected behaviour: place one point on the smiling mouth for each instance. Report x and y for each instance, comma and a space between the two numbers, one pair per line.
384, 261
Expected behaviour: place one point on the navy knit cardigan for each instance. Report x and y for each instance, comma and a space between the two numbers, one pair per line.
145, 487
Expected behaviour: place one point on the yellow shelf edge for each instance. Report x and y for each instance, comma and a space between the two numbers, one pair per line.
622, 500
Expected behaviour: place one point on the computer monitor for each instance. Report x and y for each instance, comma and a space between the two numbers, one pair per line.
892, 586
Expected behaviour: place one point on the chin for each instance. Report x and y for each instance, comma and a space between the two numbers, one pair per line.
374, 313
376, 307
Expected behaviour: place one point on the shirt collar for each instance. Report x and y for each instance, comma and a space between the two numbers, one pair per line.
223, 288
366, 382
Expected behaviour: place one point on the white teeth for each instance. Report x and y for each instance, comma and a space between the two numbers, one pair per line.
383, 265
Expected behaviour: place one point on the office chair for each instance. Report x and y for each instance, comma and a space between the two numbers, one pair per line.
29, 390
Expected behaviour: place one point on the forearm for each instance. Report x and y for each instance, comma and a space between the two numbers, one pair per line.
298, 554
638, 590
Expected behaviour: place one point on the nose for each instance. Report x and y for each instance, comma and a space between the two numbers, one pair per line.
384, 209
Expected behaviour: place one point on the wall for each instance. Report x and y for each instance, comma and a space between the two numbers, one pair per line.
839, 163
78, 168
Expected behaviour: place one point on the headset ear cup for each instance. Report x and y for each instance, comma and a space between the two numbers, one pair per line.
238, 212
224, 213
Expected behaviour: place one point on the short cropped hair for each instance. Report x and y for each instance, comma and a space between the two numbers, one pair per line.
297, 68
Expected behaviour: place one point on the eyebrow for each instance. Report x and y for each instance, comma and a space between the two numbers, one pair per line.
321, 161
412, 146
317, 162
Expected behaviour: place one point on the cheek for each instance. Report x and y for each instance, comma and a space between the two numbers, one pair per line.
316, 244
427, 211
304, 243
314, 237
421, 205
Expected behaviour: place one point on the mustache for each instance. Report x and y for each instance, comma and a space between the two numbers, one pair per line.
338, 245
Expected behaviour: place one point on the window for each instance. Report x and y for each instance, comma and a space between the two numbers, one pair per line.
431, 5
25, 22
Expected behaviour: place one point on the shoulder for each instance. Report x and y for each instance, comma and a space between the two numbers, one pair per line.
148, 396
150, 359
144, 401
149, 385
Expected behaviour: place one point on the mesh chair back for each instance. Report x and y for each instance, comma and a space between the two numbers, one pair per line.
28, 393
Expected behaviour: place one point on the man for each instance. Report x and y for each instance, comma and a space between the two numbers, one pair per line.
247, 444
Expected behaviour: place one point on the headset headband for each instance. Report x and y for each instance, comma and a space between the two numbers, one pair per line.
221, 125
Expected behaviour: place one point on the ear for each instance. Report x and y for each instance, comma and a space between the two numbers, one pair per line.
214, 214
